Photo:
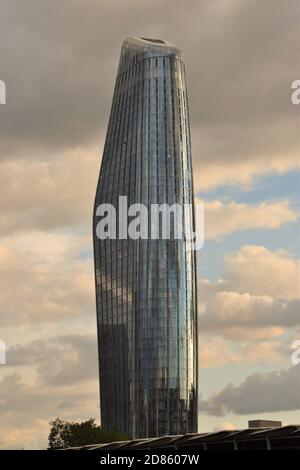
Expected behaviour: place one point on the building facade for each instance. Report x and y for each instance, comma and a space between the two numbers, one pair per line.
146, 288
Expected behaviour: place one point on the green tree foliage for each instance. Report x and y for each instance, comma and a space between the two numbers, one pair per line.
65, 434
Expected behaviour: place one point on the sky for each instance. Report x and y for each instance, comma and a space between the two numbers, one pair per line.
59, 61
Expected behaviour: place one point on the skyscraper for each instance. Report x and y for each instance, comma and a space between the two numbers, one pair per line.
146, 288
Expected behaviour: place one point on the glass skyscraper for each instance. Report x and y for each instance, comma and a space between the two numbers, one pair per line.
146, 288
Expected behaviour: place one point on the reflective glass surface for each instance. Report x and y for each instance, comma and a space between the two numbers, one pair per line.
146, 289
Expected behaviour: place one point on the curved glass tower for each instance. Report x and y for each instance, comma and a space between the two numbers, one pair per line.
146, 288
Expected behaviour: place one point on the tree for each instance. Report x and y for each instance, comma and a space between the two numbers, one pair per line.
65, 434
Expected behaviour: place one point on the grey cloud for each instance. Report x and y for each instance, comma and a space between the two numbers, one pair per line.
59, 59
27, 406
58, 361
62, 381
259, 393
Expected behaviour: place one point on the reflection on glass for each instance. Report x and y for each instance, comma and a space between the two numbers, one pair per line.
146, 289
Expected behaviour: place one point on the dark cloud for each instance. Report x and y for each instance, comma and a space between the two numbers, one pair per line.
259, 393
59, 60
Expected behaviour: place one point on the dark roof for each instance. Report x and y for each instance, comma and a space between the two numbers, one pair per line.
286, 437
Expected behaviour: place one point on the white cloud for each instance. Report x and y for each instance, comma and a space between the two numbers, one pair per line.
223, 219
257, 297
259, 271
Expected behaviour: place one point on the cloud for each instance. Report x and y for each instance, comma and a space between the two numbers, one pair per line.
62, 190
26, 407
231, 311
256, 298
259, 271
226, 426
255, 270
57, 111
57, 376
58, 361
60, 65
214, 351
44, 281
48, 194
223, 219
259, 393
241, 172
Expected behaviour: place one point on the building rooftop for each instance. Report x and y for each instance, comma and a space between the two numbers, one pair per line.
272, 438
264, 423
